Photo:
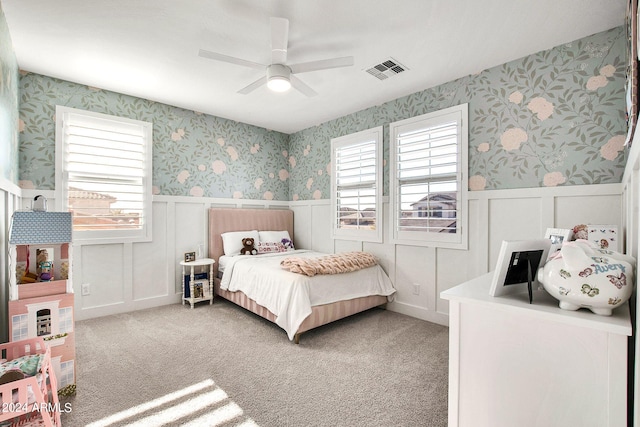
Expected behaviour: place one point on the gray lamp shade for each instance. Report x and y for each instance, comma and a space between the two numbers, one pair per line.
29, 228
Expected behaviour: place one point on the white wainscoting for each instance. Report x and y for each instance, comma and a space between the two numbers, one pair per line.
133, 276
9, 203
494, 216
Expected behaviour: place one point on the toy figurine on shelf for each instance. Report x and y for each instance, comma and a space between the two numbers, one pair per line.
46, 274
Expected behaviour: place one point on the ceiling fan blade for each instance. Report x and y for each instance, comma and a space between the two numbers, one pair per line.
323, 64
253, 86
279, 40
302, 87
230, 59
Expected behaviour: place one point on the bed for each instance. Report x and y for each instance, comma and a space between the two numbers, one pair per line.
28, 393
227, 220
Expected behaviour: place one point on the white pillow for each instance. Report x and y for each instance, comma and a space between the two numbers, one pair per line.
270, 247
232, 240
275, 236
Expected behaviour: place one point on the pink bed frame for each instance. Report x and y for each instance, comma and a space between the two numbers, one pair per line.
222, 220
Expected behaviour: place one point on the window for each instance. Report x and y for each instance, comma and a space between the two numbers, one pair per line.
356, 185
43, 322
428, 157
65, 320
103, 174
66, 374
19, 327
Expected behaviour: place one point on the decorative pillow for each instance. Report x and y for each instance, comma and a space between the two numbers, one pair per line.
232, 240
288, 244
277, 236
271, 247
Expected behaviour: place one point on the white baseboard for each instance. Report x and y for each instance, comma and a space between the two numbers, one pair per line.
141, 304
84, 313
419, 313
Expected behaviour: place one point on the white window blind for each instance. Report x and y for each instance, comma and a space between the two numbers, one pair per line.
356, 185
428, 159
105, 165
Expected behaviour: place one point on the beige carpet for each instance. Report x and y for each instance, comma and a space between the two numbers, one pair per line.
221, 365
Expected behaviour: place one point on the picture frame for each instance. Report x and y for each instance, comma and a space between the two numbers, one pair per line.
557, 236
189, 256
604, 236
510, 275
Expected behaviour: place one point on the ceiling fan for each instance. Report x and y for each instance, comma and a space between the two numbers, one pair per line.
279, 76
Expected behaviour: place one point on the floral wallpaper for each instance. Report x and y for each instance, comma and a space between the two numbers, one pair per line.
8, 105
552, 118
556, 117
194, 154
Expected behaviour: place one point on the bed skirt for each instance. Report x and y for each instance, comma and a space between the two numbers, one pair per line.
320, 314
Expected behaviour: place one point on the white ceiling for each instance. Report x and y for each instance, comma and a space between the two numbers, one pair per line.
149, 48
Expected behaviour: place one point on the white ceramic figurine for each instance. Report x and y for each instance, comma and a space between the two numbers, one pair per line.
583, 275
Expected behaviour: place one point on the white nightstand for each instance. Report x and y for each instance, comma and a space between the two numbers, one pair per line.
195, 293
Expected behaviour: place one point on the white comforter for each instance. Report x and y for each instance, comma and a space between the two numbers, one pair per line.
290, 296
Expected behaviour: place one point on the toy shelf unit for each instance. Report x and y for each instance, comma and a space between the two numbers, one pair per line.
40, 288
197, 287
28, 385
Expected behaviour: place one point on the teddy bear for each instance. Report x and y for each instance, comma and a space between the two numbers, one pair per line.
248, 247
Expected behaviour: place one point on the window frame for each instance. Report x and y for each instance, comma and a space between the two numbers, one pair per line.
361, 137
459, 239
143, 234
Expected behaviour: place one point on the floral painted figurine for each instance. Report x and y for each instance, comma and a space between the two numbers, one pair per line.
586, 276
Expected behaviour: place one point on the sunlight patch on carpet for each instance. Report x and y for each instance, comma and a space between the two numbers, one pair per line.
181, 404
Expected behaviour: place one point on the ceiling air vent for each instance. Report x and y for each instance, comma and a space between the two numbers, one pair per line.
387, 68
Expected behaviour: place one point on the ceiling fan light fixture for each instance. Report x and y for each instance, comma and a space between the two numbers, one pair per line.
278, 77
279, 84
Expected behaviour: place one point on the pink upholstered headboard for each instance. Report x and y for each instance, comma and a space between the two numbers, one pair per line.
222, 220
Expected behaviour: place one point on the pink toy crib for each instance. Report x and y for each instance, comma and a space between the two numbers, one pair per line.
32, 400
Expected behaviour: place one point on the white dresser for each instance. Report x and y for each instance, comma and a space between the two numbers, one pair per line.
516, 364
